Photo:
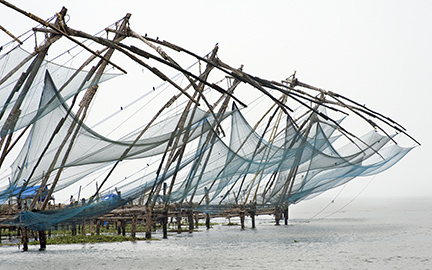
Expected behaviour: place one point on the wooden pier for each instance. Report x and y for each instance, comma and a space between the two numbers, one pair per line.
176, 214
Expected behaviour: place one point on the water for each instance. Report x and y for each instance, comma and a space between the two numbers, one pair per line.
367, 234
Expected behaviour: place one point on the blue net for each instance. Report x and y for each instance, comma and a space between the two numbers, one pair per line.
209, 160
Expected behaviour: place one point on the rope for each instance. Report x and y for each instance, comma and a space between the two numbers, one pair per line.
340, 209
332, 201
164, 84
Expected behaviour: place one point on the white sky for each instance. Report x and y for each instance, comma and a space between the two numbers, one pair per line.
375, 52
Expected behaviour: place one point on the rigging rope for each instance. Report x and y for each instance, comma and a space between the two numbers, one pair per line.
340, 209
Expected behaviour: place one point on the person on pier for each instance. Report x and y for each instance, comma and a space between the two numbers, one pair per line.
72, 200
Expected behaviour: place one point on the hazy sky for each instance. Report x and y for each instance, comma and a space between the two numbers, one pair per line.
376, 52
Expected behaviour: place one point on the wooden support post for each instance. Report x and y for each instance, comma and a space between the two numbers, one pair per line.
207, 200
165, 224
34, 235
118, 224
42, 240
178, 218
196, 221
252, 215
208, 221
285, 212
242, 219
98, 226
190, 221
24, 238
83, 229
92, 227
123, 227
74, 229
148, 223
165, 215
277, 215
134, 224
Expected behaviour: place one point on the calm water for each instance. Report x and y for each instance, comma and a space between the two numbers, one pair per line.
367, 234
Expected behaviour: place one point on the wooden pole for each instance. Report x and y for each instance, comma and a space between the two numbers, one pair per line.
123, 227
252, 215
98, 226
85, 103
207, 201
42, 240
134, 224
196, 221
148, 222
165, 214
277, 215
59, 29
10, 34
285, 212
190, 221
165, 224
26, 79
207, 221
24, 238
242, 219
92, 227
178, 219
83, 229
74, 229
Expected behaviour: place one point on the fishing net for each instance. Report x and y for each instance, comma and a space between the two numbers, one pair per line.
241, 172
89, 151
219, 176
184, 158
19, 91
212, 176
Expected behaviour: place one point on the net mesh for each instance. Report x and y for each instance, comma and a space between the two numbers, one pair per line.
187, 154
13, 66
214, 175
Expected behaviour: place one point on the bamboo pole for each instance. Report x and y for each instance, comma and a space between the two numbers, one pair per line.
11, 35
5, 153
80, 113
174, 140
60, 30
124, 49
172, 143
29, 76
16, 111
204, 75
286, 191
258, 82
271, 139
168, 58
209, 140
